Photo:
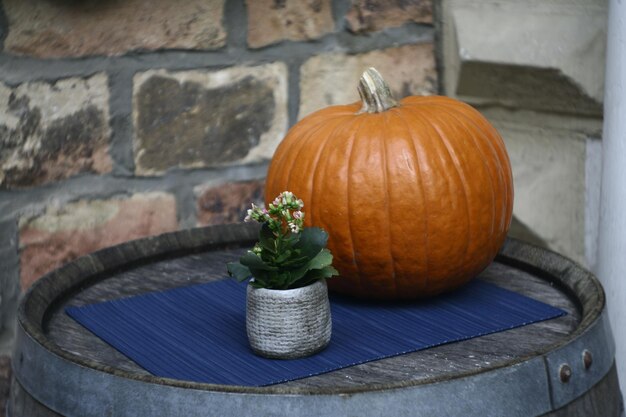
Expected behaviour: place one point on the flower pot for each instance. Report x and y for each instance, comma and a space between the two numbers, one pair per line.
288, 324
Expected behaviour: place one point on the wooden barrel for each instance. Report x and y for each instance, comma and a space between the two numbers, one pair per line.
560, 367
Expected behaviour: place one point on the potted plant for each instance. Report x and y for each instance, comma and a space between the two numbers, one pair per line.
287, 308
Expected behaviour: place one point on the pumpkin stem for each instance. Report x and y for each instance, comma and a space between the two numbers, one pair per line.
375, 94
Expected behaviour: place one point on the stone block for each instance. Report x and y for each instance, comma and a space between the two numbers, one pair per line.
332, 78
52, 131
520, 55
271, 21
196, 119
229, 202
48, 29
549, 181
64, 233
372, 15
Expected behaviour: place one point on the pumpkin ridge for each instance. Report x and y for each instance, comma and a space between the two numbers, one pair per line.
498, 150
501, 184
420, 181
417, 228
387, 186
311, 188
505, 168
352, 139
462, 177
458, 109
500, 156
502, 166
453, 114
429, 120
355, 135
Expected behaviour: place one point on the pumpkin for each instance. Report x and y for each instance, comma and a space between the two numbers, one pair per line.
416, 195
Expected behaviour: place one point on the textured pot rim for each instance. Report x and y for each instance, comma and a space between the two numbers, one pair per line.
289, 292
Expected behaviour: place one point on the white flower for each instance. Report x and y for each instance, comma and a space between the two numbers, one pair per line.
297, 214
286, 197
294, 227
248, 218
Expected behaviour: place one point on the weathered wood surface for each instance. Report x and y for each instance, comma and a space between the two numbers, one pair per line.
447, 360
196, 256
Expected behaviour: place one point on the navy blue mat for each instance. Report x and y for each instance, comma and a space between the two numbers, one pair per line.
197, 333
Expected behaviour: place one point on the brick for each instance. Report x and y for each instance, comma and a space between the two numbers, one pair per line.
332, 78
52, 131
229, 202
271, 21
372, 15
64, 233
197, 118
67, 28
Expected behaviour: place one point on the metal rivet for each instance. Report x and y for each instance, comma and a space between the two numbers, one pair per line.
587, 359
565, 373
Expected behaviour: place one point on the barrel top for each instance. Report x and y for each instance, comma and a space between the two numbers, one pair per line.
199, 255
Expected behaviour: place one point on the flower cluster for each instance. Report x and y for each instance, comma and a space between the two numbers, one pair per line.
284, 213
287, 255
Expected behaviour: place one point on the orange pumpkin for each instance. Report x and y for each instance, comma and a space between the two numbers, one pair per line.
416, 195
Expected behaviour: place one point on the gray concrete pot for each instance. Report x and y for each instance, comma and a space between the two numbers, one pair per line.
288, 324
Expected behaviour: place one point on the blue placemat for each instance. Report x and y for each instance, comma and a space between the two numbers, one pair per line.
197, 333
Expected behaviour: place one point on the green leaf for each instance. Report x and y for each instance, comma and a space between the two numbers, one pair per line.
292, 239
296, 274
323, 259
266, 238
282, 280
253, 261
282, 257
312, 241
321, 262
296, 261
257, 283
330, 271
238, 271
316, 274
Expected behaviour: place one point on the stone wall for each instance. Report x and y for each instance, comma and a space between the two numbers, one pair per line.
120, 120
